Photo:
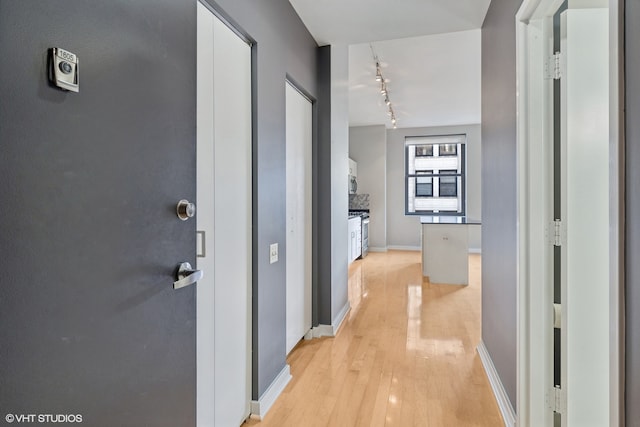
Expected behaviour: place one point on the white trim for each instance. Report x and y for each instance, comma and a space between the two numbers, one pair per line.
332, 330
475, 250
377, 249
342, 314
260, 407
506, 409
616, 212
534, 344
403, 248
323, 331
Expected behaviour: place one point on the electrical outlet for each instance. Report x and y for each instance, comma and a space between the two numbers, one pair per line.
273, 253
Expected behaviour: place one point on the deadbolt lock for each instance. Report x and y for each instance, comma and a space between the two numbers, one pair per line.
185, 209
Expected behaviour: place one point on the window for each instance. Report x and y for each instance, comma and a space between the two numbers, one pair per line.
448, 150
435, 175
424, 150
448, 184
424, 186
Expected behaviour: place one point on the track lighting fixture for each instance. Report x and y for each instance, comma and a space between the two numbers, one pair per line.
383, 87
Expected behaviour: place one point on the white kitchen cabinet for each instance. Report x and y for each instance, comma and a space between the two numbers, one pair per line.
353, 168
355, 238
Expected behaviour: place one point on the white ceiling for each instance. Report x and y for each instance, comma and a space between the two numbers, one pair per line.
431, 80
428, 55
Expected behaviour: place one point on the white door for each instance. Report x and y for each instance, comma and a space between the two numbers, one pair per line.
299, 134
585, 210
568, 215
224, 224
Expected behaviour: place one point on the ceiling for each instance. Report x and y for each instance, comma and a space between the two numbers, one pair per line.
429, 51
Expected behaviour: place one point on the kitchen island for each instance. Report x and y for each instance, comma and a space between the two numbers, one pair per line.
445, 248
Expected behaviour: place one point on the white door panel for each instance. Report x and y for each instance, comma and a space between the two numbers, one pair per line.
298, 185
586, 134
224, 215
205, 174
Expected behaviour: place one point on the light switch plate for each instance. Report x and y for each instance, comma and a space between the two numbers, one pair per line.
273, 253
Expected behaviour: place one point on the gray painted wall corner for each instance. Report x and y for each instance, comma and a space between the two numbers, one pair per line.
499, 202
322, 176
339, 172
331, 175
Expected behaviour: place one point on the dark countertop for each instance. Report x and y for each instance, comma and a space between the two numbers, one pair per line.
447, 219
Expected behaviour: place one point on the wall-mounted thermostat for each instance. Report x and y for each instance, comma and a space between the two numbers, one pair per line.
63, 69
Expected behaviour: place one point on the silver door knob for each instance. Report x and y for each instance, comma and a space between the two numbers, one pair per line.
186, 275
185, 209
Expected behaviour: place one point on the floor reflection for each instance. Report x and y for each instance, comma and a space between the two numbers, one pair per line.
357, 290
405, 356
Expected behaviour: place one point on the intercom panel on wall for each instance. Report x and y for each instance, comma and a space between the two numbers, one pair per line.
63, 69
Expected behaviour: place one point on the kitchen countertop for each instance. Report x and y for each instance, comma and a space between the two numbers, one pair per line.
448, 219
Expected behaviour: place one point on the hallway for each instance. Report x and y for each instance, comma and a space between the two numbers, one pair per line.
405, 356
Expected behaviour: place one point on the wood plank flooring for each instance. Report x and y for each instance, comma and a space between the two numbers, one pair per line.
405, 356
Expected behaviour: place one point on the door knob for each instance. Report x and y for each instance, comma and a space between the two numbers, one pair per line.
185, 209
186, 275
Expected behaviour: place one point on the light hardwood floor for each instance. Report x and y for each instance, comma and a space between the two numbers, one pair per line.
405, 356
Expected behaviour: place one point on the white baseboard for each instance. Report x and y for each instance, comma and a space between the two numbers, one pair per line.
323, 331
506, 409
259, 408
332, 330
342, 314
403, 248
413, 248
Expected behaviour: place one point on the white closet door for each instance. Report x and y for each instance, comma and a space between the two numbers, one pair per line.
586, 137
224, 223
298, 246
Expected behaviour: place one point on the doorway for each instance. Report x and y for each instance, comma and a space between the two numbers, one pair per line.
224, 223
299, 136
569, 214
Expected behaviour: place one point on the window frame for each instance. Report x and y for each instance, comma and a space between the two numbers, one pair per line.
460, 141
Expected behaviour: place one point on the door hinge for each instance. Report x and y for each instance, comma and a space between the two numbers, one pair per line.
552, 66
557, 400
558, 234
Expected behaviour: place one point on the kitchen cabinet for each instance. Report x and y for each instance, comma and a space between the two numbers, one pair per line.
353, 168
445, 249
355, 238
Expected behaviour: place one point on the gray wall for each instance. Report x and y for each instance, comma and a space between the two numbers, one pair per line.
403, 231
632, 269
322, 240
283, 48
339, 168
368, 147
499, 202
331, 166
89, 321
